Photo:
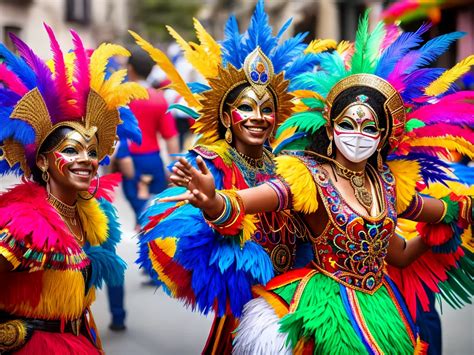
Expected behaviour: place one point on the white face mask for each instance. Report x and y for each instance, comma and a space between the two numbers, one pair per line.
356, 133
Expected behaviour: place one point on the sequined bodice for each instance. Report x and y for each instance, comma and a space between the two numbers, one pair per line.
352, 247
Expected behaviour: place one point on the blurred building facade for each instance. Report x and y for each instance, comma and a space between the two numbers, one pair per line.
338, 18
94, 20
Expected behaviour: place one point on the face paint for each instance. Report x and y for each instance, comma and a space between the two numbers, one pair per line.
252, 118
356, 133
74, 161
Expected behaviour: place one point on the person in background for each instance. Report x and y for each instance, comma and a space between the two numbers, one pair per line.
154, 121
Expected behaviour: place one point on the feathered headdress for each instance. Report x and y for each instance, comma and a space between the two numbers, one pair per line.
428, 116
36, 97
253, 57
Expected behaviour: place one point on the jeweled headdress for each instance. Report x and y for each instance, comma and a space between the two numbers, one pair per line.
428, 115
36, 97
253, 57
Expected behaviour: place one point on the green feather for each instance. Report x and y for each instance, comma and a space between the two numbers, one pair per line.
413, 124
185, 109
309, 121
362, 34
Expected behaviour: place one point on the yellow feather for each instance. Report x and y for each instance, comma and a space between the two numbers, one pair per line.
302, 185
248, 228
124, 93
178, 84
286, 133
93, 220
406, 228
112, 82
407, 174
99, 59
275, 302
443, 83
11, 258
307, 94
211, 47
195, 55
449, 142
320, 45
168, 245
344, 46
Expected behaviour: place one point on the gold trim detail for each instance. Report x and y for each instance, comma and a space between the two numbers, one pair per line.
12, 335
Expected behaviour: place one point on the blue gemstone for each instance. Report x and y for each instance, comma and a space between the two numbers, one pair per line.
254, 75
263, 77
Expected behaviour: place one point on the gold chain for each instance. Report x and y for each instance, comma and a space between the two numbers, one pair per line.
357, 180
257, 163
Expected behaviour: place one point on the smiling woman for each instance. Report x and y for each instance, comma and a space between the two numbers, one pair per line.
58, 230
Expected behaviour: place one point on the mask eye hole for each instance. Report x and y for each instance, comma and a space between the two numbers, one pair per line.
370, 130
347, 126
245, 108
267, 110
69, 151
93, 154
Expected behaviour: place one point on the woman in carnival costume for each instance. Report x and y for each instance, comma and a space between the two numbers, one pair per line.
58, 229
237, 112
362, 153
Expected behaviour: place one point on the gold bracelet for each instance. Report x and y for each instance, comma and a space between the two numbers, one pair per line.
445, 210
420, 209
224, 211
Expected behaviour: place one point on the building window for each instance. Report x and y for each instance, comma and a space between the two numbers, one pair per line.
78, 11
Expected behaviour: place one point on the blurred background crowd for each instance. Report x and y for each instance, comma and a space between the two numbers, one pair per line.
156, 324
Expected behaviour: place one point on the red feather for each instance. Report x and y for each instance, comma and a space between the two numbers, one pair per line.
107, 185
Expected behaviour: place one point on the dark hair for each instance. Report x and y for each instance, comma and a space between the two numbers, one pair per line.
320, 141
53, 139
140, 61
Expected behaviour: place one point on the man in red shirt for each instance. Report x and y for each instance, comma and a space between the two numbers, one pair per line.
154, 121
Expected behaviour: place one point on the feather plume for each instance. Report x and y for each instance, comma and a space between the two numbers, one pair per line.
292, 47
212, 48
362, 35
12, 81
444, 82
231, 46
63, 86
259, 32
283, 29
177, 82
18, 66
123, 94
320, 45
129, 127
44, 77
82, 76
98, 63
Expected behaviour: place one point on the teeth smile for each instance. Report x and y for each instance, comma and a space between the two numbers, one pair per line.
256, 129
81, 172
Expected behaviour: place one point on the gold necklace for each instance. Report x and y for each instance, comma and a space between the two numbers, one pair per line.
357, 180
68, 214
256, 163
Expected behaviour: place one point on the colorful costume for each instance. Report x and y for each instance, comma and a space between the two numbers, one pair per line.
347, 301
202, 266
45, 298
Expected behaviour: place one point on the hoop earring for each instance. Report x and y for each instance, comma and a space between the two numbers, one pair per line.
329, 150
379, 160
91, 195
228, 135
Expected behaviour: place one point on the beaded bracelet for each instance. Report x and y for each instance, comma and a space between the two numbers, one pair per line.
230, 220
282, 189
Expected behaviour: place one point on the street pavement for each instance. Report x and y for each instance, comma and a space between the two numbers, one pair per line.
159, 325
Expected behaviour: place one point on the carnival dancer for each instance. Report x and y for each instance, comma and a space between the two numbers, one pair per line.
236, 113
58, 230
373, 134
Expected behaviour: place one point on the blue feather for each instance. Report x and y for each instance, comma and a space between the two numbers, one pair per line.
114, 232
129, 129
17, 129
301, 65
284, 28
8, 97
106, 266
185, 109
259, 33
417, 81
401, 46
231, 47
283, 144
18, 66
197, 88
292, 47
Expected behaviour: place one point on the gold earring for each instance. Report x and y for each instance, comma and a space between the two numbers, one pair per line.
45, 175
379, 160
228, 135
329, 151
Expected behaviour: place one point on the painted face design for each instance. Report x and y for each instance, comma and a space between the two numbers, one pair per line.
252, 118
74, 162
356, 133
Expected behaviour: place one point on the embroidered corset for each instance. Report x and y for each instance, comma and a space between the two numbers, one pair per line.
352, 247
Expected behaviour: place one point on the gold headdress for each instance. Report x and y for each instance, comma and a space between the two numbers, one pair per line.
67, 93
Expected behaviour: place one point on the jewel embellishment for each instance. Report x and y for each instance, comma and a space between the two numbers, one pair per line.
361, 98
258, 70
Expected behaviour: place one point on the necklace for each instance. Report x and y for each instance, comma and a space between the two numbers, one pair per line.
68, 214
357, 180
253, 162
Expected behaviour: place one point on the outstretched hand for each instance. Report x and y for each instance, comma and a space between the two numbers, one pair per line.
201, 190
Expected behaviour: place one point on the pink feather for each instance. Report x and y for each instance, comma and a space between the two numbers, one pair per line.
107, 186
81, 74
64, 89
11, 81
391, 34
398, 9
444, 130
